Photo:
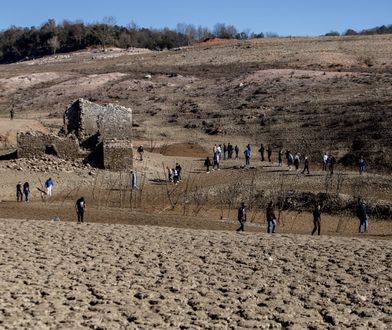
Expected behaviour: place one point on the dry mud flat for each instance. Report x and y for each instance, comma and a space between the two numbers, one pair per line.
101, 276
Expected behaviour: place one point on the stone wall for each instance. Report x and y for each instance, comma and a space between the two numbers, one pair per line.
117, 155
36, 144
85, 119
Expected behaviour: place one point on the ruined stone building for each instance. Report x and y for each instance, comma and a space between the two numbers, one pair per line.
85, 119
100, 133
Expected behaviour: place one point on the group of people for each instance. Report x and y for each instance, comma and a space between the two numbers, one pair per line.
22, 190
174, 174
293, 160
361, 212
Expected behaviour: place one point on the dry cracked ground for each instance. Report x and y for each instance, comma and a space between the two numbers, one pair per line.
60, 275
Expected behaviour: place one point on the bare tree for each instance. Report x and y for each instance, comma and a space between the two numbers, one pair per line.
54, 44
104, 31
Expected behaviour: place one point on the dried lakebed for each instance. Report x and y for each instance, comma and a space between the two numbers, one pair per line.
101, 276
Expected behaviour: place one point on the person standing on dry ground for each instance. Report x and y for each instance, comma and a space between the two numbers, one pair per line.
361, 166
236, 150
224, 151
207, 164
271, 219
306, 166
269, 153
19, 194
12, 113
261, 151
169, 174
280, 157
179, 169
317, 219
80, 208
140, 151
26, 191
229, 151
332, 163
362, 216
48, 186
325, 161
290, 159
133, 181
175, 176
216, 161
241, 217
219, 151
296, 161
247, 154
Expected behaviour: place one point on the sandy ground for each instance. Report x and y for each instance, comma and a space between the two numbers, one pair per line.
9, 129
101, 276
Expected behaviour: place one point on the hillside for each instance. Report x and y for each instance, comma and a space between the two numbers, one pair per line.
307, 94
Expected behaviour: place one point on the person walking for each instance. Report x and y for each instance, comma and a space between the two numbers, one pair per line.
236, 150
306, 166
19, 194
133, 181
49, 185
362, 216
261, 151
247, 154
140, 151
26, 191
241, 217
361, 166
80, 208
317, 219
271, 219
269, 153
207, 164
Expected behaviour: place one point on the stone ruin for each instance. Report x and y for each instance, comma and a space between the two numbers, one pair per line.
102, 134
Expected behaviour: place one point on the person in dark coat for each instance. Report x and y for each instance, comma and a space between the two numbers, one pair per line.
26, 191
236, 150
362, 216
241, 217
269, 153
261, 151
280, 157
179, 169
306, 166
80, 208
230, 151
271, 218
361, 165
317, 219
332, 163
207, 164
19, 194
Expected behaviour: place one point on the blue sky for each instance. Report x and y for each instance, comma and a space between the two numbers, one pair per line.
285, 17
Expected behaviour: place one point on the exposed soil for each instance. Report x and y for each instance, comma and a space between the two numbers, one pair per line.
311, 95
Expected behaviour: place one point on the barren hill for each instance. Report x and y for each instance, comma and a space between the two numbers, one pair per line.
307, 94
